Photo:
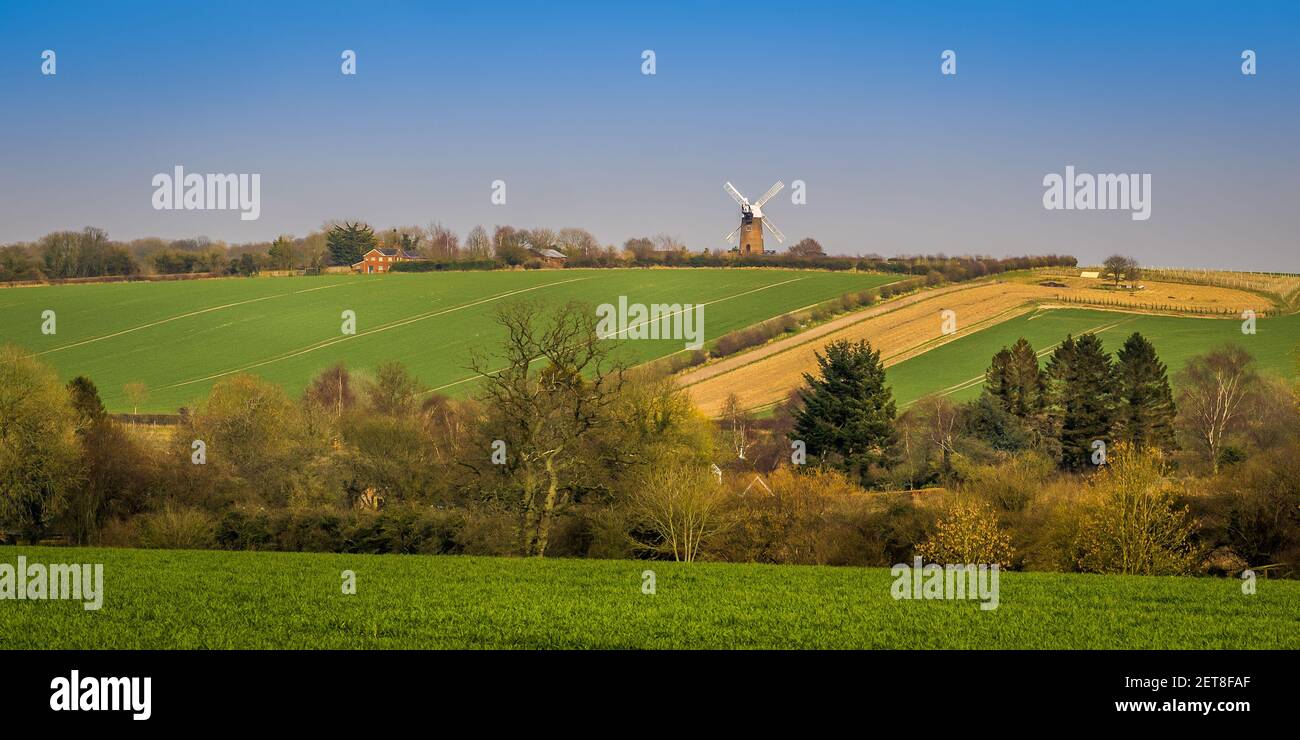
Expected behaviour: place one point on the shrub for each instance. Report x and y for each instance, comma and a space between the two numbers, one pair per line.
968, 534
238, 530
1255, 509
177, 528
1133, 525
310, 531
1013, 484
119, 533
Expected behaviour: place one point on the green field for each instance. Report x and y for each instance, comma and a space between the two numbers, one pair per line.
194, 599
178, 338
957, 368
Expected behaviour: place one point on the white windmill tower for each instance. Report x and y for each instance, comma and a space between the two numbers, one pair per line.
752, 220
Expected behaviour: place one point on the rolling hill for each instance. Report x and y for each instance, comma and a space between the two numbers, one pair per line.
178, 338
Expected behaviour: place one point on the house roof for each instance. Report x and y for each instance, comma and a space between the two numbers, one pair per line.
551, 254
395, 252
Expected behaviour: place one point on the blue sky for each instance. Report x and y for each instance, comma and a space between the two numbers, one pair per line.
549, 97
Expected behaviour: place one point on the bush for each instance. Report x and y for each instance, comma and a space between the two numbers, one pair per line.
1010, 485
432, 266
119, 533
1254, 509
240, 531
968, 534
1133, 525
818, 517
402, 529
406, 531
310, 531
177, 528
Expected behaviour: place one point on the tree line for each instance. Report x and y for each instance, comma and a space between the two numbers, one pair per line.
90, 253
583, 455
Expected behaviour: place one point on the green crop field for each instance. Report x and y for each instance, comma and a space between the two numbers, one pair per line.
196, 599
957, 368
178, 338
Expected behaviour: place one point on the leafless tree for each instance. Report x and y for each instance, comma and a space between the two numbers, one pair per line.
681, 506
737, 425
552, 388
1217, 388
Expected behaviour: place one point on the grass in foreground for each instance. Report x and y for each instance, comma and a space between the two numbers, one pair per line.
194, 599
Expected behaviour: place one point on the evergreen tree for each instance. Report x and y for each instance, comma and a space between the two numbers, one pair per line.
1082, 392
1144, 402
847, 413
997, 379
1027, 380
85, 400
1015, 380
348, 241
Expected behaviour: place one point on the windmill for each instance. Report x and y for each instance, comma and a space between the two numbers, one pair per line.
752, 220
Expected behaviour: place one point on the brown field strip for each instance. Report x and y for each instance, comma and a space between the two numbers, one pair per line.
910, 326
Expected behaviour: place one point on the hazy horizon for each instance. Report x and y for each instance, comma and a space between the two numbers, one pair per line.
550, 98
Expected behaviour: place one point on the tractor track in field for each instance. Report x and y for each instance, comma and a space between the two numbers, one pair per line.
381, 328
706, 303
186, 315
958, 387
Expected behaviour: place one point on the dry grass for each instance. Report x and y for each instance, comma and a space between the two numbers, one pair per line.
1283, 287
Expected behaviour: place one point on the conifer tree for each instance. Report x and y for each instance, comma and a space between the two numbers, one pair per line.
997, 379
1027, 379
348, 242
1082, 398
1144, 402
847, 414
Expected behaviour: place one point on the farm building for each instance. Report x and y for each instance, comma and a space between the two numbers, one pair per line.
550, 257
382, 259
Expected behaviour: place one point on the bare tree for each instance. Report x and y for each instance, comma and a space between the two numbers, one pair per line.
1217, 388
477, 244
737, 425
807, 247
578, 242
555, 389
681, 506
442, 243
136, 393
1118, 267
1132, 271
939, 415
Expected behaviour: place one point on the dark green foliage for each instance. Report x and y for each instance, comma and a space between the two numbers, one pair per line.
85, 400
348, 242
847, 414
399, 530
1144, 403
986, 420
1082, 392
455, 265
1015, 381
112, 482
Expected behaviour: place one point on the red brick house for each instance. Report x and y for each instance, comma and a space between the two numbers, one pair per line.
382, 259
